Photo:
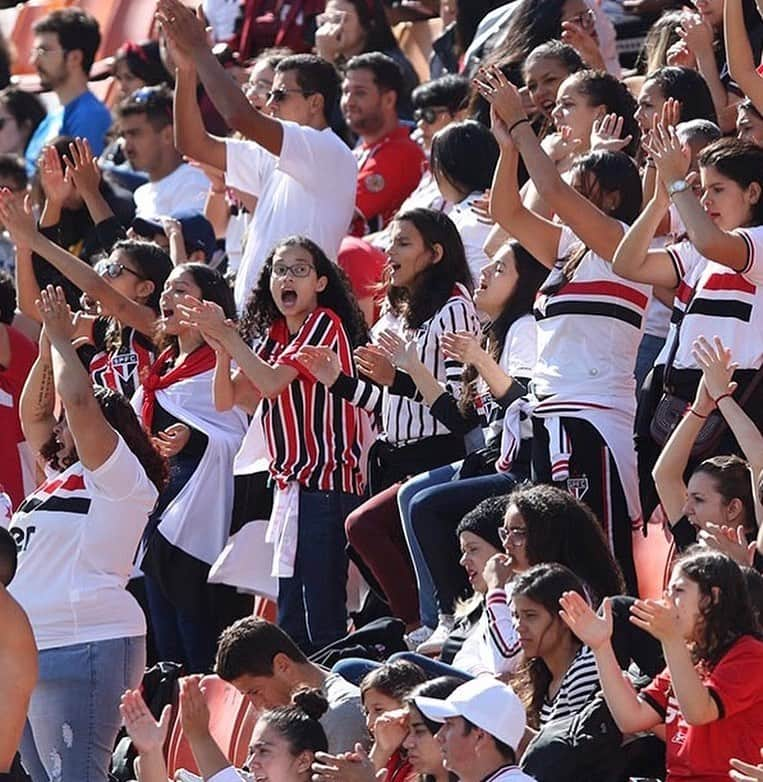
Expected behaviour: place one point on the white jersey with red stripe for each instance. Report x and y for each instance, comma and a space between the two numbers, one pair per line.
721, 301
589, 330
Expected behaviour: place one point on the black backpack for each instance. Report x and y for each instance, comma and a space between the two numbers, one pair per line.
375, 641
159, 688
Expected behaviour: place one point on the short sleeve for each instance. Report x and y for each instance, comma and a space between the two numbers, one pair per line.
388, 178
657, 692
309, 156
520, 352
685, 258
568, 241
753, 238
247, 165
319, 330
121, 477
734, 689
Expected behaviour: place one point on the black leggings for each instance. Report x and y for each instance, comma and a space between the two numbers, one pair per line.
594, 479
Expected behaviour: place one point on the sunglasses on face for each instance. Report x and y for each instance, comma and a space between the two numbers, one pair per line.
280, 94
282, 270
113, 270
429, 114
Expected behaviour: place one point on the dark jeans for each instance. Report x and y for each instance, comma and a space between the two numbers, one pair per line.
312, 604
354, 669
179, 637
435, 514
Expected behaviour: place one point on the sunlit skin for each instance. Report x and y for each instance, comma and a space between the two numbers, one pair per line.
442, 119
457, 745
271, 758
705, 504
573, 111
375, 703
295, 107
687, 599
422, 748
543, 77
711, 11
180, 283
497, 283
749, 125
407, 255
364, 105
540, 633
727, 204
128, 82
128, 283
475, 552
50, 60
296, 297
650, 102
515, 544
353, 35
260, 83
264, 692
13, 139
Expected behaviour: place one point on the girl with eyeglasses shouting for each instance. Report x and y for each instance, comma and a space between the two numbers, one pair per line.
314, 439
125, 287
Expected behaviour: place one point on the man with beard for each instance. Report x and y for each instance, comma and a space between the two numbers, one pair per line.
64, 48
390, 163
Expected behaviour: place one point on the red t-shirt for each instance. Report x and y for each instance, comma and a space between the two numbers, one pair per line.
389, 171
12, 379
702, 752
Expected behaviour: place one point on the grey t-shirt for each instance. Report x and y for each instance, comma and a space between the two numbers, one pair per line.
344, 722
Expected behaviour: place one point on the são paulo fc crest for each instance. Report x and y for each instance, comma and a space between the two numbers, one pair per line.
578, 487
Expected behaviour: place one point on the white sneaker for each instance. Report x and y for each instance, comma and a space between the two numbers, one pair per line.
417, 637
433, 645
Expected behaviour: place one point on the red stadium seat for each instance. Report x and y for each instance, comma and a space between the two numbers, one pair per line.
130, 20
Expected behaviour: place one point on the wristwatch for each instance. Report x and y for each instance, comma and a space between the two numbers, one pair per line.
679, 186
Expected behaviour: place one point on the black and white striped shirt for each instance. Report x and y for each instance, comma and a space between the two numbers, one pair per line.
579, 685
406, 418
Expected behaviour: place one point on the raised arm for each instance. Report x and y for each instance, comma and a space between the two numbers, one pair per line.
739, 53
38, 399
537, 235
27, 287
187, 34
231, 388
20, 222
600, 232
724, 247
147, 735
83, 171
94, 438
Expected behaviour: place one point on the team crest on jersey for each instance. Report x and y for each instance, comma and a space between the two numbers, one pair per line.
375, 183
124, 364
578, 487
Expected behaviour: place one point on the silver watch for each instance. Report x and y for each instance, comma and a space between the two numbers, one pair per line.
679, 186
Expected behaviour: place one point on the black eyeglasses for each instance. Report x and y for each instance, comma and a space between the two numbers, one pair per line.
282, 270
429, 114
280, 94
113, 270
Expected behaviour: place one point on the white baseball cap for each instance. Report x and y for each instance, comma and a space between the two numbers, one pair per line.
484, 702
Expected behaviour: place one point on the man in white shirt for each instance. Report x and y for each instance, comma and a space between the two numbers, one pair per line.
302, 174
145, 122
483, 725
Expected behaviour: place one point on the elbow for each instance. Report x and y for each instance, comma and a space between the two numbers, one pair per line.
223, 405
703, 717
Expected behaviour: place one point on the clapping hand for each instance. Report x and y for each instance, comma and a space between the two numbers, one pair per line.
17, 217
194, 712
715, 361
82, 167
606, 135
501, 94
401, 353
147, 734
731, 541
56, 315
321, 362
593, 629
746, 772
670, 157
658, 617
206, 316
54, 183
184, 30
461, 346
372, 361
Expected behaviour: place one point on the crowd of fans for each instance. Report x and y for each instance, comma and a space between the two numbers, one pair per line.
418, 362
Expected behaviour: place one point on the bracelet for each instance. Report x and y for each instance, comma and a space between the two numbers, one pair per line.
518, 122
722, 396
694, 412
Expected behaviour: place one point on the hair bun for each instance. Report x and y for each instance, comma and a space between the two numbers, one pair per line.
311, 701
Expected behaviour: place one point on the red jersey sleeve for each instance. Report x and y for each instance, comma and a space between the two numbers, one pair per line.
657, 693
388, 177
733, 688
319, 330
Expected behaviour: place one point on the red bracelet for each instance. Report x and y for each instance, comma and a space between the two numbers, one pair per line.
722, 396
694, 412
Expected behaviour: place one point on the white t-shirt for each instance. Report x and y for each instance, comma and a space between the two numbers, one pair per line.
725, 303
76, 537
309, 190
474, 231
590, 330
185, 188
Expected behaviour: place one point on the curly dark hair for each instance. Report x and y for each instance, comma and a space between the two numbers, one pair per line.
543, 584
120, 415
726, 612
261, 311
564, 530
434, 285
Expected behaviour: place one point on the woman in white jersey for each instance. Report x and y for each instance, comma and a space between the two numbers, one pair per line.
717, 271
76, 536
590, 322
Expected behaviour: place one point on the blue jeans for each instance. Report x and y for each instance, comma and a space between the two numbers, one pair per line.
648, 351
354, 669
405, 496
435, 513
73, 716
312, 604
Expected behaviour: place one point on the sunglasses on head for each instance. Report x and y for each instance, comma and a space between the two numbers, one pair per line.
113, 270
429, 114
280, 94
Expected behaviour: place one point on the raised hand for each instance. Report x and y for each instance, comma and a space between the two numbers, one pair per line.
18, 218
373, 363
321, 362
500, 93
500, 130
561, 145
147, 734
56, 315
401, 353
658, 617
462, 346
171, 441
54, 184
184, 30
717, 366
731, 541
194, 712
207, 316
606, 134
671, 159
82, 168
498, 571
593, 629
746, 772
681, 56
696, 33
584, 43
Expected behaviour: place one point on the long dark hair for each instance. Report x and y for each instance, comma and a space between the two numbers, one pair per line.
213, 286
530, 276
153, 264
543, 584
373, 20
120, 415
261, 310
731, 476
563, 529
725, 610
689, 88
465, 154
434, 286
